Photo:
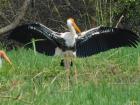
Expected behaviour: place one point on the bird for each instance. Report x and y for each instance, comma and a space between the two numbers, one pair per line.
5, 57
73, 43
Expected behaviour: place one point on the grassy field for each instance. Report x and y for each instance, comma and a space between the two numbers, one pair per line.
109, 78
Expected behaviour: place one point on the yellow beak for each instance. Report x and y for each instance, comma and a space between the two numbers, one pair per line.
4, 56
76, 27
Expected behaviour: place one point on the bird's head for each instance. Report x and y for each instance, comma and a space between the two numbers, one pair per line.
4, 56
71, 23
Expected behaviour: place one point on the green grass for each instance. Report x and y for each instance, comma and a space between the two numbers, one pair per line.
109, 78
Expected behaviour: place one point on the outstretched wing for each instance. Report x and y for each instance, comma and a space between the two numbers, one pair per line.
104, 38
45, 38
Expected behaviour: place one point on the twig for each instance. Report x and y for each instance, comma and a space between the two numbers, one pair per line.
38, 74
119, 21
34, 46
33, 80
54, 79
16, 98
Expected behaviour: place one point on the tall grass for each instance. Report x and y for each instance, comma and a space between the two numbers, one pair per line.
109, 78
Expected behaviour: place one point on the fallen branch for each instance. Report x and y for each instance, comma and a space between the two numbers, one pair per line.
17, 19
4, 17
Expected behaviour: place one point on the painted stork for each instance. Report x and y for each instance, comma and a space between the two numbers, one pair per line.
5, 57
74, 42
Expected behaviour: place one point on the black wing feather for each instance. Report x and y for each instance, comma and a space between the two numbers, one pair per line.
45, 37
105, 38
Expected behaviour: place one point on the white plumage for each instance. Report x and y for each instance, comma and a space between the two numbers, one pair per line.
69, 39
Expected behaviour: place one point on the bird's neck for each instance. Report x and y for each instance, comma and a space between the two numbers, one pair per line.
73, 32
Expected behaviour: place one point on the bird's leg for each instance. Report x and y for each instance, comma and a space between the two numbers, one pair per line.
68, 77
67, 61
76, 74
75, 71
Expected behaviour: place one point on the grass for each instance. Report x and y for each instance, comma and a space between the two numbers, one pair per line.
109, 78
